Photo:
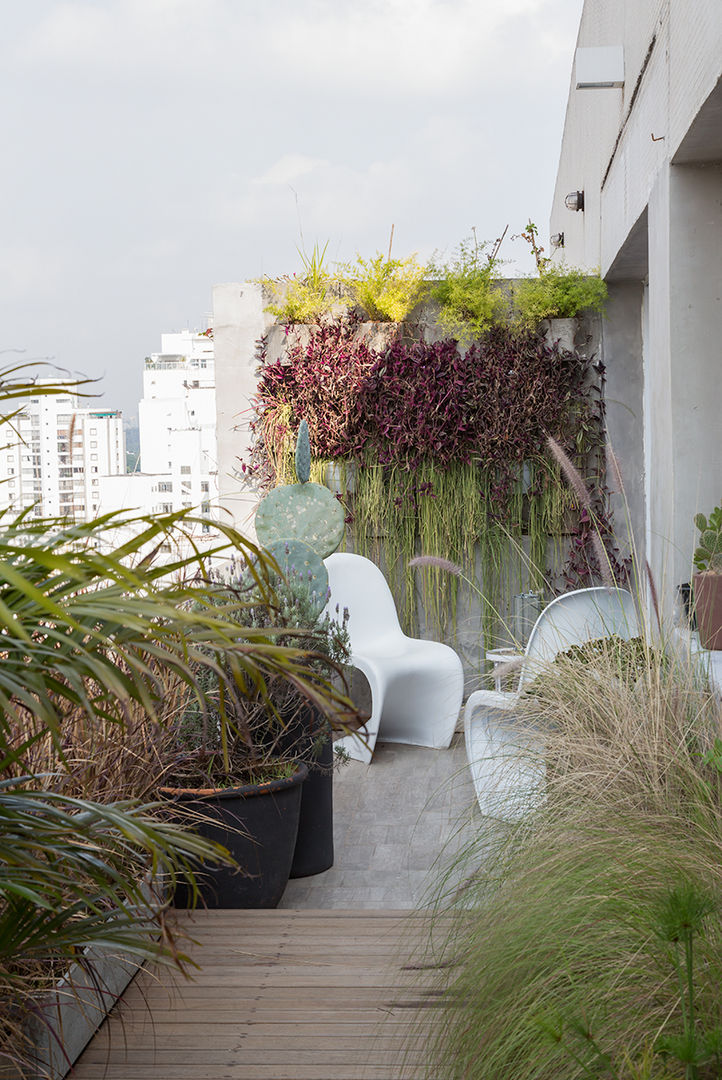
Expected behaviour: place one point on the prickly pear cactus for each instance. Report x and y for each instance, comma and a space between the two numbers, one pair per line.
303, 454
303, 511
304, 571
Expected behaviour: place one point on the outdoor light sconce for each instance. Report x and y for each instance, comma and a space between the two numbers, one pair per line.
557, 239
574, 200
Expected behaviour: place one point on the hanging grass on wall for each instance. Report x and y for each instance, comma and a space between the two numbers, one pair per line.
450, 450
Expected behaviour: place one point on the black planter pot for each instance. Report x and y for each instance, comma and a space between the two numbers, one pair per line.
314, 843
258, 823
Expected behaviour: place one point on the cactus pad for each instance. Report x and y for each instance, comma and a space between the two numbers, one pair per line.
307, 512
303, 454
304, 571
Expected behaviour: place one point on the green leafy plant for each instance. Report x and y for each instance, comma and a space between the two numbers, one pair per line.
557, 292
94, 632
468, 290
386, 289
708, 554
310, 297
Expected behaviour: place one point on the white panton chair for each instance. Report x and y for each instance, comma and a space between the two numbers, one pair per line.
416, 686
506, 778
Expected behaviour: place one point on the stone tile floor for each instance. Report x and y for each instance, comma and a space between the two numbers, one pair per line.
397, 822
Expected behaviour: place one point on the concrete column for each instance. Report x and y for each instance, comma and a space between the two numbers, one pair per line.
624, 393
683, 371
238, 322
696, 346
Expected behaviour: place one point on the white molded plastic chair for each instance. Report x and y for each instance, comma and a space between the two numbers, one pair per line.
416, 686
505, 782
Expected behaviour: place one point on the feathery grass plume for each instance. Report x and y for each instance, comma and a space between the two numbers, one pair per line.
576, 481
574, 477
558, 922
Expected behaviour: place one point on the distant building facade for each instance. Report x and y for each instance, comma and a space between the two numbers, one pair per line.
61, 457
177, 427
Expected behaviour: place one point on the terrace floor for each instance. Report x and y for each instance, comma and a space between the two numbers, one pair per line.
320, 988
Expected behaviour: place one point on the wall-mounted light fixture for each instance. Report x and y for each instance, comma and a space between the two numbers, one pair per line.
574, 200
557, 239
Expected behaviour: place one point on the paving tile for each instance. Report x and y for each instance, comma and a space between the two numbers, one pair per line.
396, 824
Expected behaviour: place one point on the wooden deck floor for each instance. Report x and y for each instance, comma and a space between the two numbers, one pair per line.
281, 995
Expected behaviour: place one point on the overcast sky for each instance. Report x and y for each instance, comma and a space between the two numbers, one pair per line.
152, 148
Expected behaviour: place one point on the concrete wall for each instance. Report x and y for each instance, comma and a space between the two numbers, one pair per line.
649, 158
238, 322
624, 397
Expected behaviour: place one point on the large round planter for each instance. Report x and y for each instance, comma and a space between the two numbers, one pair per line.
258, 823
708, 608
314, 844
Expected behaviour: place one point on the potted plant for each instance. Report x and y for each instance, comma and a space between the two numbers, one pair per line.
708, 581
555, 296
297, 728
225, 786
233, 767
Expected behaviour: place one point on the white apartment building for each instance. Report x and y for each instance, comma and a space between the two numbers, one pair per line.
177, 423
642, 145
61, 455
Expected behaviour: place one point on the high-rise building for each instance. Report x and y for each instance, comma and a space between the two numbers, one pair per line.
177, 426
60, 456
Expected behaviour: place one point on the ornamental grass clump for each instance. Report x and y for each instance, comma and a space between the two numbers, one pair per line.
589, 942
309, 297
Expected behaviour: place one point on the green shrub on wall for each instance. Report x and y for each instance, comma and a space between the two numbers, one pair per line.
468, 291
558, 293
386, 289
310, 297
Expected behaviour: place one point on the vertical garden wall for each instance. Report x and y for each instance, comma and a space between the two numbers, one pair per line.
440, 448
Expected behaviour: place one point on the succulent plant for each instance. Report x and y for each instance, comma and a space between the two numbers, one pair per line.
708, 554
304, 571
304, 511
303, 454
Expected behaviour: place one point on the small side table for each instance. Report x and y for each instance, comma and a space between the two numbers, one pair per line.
499, 657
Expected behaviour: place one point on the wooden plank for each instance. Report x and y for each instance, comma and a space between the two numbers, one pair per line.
288, 1070
280, 995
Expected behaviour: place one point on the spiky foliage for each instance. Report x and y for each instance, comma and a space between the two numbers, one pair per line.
98, 628
583, 944
309, 297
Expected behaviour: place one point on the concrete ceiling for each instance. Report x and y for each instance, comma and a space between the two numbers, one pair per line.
632, 260
703, 141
